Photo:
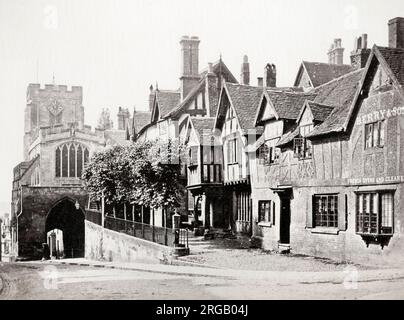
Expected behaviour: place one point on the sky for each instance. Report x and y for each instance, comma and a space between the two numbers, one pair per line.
115, 49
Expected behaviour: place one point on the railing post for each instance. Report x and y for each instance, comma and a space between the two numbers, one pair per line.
142, 222
153, 227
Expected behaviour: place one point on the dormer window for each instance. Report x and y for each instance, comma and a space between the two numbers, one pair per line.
267, 155
301, 146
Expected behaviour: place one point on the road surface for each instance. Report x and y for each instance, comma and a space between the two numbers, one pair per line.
49, 281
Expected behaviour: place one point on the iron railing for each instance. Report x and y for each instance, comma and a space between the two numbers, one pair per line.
160, 235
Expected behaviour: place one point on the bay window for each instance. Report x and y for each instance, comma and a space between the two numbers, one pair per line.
374, 213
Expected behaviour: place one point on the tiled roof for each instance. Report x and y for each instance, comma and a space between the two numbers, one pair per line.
339, 93
220, 67
140, 119
395, 60
203, 125
245, 100
320, 73
167, 101
213, 93
320, 111
288, 104
177, 109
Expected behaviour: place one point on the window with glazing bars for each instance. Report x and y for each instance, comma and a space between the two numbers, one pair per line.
374, 213
325, 210
374, 134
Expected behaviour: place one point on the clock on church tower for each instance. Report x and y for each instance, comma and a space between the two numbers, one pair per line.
55, 107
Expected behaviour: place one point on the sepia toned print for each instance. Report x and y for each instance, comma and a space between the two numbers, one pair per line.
202, 163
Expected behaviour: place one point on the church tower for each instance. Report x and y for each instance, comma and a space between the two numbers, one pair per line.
54, 106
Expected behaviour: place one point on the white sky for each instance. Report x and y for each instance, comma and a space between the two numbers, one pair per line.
116, 49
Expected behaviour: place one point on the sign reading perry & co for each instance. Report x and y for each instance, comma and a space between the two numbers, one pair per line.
380, 115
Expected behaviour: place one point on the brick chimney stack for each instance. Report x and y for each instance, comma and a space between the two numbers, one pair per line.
336, 53
189, 64
245, 71
270, 75
396, 33
123, 118
360, 54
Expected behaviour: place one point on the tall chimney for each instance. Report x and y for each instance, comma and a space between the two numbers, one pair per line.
336, 53
270, 75
396, 33
189, 64
123, 118
245, 71
361, 53
260, 82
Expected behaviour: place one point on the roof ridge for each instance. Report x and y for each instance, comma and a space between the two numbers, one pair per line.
244, 85
390, 48
337, 79
329, 64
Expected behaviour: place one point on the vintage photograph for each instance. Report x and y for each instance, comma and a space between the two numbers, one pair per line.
202, 150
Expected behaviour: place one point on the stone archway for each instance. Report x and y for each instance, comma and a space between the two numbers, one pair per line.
66, 217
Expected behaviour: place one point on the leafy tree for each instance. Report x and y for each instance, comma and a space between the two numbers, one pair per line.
146, 173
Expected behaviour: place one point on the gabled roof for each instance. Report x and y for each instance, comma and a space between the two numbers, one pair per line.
245, 100
395, 60
391, 59
320, 73
319, 111
339, 93
139, 120
166, 101
286, 103
203, 125
181, 106
218, 68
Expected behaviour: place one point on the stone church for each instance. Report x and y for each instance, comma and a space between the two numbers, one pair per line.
48, 199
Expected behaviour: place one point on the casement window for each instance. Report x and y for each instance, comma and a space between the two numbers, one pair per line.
266, 211
374, 134
193, 155
232, 151
302, 148
70, 159
325, 210
374, 213
267, 155
212, 160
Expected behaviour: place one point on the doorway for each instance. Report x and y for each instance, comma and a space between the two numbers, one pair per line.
284, 225
64, 216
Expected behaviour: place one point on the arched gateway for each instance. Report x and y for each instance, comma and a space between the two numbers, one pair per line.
66, 217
